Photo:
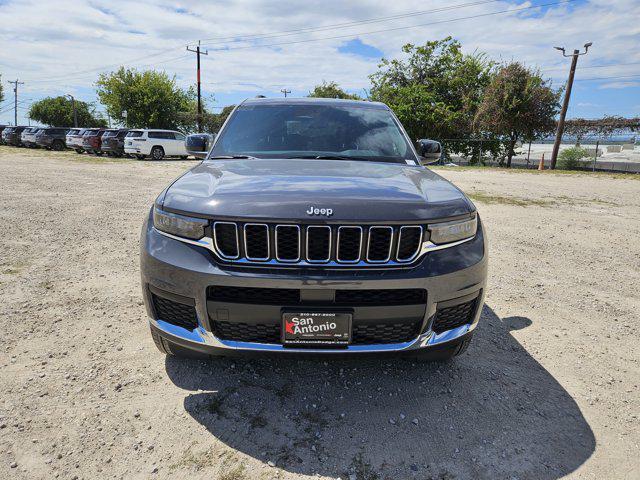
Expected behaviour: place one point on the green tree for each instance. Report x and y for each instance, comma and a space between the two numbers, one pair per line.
58, 112
435, 91
146, 99
518, 105
331, 90
212, 122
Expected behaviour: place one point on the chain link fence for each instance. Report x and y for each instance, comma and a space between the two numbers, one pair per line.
603, 153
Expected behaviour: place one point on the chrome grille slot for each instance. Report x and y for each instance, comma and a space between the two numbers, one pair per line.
225, 237
256, 241
409, 241
329, 246
318, 243
349, 244
287, 240
379, 244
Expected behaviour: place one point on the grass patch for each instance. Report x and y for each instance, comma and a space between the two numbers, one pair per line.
619, 176
230, 468
83, 158
236, 472
14, 269
507, 200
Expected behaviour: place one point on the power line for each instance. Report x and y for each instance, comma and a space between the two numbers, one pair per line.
606, 78
225, 40
74, 75
335, 37
81, 74
610, 65
558, 67
84, 76
62, 77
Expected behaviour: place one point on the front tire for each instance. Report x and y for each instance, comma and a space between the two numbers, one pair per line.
57, 146
157, 153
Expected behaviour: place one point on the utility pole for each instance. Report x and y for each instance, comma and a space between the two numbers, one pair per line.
75, 113
15, 99
285, 91
198, 52
567, 96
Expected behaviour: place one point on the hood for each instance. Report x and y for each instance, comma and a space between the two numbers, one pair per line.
286, 189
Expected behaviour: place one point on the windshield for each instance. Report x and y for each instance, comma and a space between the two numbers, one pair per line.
350, 132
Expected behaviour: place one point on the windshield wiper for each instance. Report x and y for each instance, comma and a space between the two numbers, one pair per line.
328, 157
234, 156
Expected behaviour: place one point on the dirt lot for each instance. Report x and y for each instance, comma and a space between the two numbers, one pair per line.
549, 388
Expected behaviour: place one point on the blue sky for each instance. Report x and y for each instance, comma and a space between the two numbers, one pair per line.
260, 47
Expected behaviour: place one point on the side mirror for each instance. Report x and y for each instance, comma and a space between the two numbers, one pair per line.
429, 150
198, 144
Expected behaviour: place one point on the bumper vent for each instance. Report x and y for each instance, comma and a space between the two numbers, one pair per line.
255, 296
291, 296
244, 332
455, 316
384, 333
175, 313
317, 245
363, 334
401, 296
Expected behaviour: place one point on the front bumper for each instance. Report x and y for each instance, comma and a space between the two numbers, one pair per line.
177, 270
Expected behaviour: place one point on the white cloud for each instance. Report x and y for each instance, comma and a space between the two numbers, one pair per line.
59, 46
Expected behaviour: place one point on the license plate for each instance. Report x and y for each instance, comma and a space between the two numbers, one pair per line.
316, 328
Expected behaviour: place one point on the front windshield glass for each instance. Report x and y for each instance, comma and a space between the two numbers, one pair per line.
314, 130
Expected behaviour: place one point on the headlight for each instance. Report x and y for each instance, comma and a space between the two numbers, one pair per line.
179, 225
453, 231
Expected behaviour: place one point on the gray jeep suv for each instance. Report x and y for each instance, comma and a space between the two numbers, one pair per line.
312, 227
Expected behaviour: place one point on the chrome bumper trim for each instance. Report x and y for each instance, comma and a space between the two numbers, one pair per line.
201, 337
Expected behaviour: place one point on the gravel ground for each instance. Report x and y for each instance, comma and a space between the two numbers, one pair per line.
548, 389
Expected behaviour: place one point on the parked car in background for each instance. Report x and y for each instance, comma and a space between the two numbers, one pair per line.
14, 136
199, 144
92, 140
2, 129
74, 138
113, 141
53, 138
156, 144
28, 137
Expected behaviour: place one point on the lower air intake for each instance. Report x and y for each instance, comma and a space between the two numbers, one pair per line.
455, 316
175, 313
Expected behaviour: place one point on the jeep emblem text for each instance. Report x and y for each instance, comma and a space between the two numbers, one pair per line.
320, 211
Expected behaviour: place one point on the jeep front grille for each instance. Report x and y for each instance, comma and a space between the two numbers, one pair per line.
317, 245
